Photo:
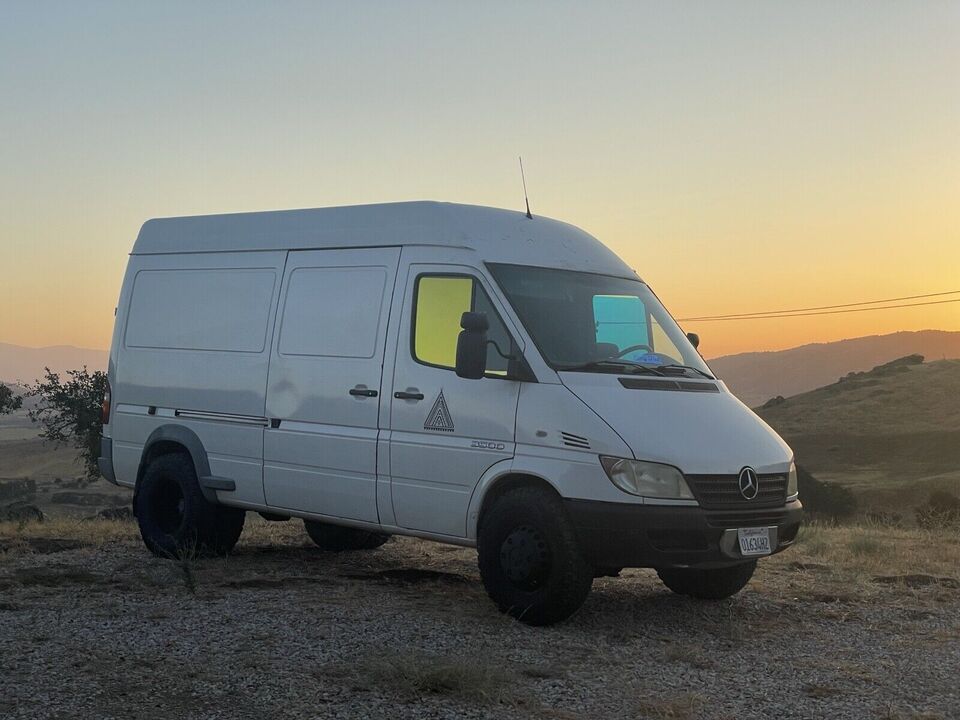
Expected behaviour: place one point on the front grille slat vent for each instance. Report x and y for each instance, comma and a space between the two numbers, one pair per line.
723, 491
575, 441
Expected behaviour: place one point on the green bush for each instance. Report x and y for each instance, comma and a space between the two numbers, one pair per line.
824, 500
8, 401
942, 508
68, 411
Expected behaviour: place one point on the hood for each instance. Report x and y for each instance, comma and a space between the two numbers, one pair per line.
702, 433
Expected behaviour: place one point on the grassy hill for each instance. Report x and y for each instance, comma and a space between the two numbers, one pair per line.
755, 377
891, 434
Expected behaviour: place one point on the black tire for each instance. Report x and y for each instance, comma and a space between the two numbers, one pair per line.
530, 561
708, 584
337, 538
174, 516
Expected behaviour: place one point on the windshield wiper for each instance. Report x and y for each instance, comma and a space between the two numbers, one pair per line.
629, 367
687, 367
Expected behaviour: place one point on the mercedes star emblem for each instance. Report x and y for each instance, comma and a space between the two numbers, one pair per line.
749, 483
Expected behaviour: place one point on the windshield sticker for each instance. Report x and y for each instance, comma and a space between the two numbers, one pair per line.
652, 359
439, 417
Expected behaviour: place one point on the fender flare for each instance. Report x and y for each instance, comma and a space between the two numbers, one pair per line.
191, 442
493, 474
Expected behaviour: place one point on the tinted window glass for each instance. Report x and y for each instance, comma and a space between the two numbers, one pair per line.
440, 302
579, 318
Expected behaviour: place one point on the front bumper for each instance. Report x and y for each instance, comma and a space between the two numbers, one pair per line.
618, 535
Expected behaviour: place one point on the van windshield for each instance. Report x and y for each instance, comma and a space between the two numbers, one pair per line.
596, 323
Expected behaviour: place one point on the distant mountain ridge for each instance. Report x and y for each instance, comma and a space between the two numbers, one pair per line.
21, 365
755, 377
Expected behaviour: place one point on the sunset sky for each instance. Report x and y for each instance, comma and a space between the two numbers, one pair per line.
740, 156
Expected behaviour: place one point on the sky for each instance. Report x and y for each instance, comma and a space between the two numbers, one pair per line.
742, 157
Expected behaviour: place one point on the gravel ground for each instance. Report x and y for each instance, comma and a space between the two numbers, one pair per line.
406, 631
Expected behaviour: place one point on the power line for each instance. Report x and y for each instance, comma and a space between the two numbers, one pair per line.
811, 314
821, 307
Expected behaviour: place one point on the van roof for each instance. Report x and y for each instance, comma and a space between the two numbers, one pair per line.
496, 235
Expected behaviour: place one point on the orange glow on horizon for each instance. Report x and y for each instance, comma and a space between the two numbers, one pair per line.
740, 158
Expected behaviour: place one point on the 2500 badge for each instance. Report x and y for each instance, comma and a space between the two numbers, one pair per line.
487, 445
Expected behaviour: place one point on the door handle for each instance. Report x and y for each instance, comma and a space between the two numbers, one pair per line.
408, 395
363, 392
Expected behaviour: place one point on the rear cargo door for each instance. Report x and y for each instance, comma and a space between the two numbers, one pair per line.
324, 389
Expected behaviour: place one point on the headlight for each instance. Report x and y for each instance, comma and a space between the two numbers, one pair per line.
646, 478
793, 486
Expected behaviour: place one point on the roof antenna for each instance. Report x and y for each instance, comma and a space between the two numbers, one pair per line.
525, 198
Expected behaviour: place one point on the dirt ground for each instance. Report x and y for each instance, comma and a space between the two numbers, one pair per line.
852, 623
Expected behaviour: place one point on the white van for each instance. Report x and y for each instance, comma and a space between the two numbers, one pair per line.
457, 373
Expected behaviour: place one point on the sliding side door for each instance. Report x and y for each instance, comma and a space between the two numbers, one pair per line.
324, 388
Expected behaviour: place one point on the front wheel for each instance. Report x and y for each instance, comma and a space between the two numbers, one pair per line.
530, 561
709, 583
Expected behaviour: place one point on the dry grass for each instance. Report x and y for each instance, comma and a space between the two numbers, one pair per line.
868, 550
411, 676
86, 533
688, 653
909, 714
850, 564
679, 707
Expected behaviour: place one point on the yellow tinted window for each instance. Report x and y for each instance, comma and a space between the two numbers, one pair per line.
663, 345
440, 303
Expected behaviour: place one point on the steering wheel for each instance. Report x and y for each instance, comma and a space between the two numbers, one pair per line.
632, 348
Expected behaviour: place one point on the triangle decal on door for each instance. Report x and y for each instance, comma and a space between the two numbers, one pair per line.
439, 417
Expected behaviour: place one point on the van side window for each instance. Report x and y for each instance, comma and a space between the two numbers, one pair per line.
439, 301
215, 309
318, 321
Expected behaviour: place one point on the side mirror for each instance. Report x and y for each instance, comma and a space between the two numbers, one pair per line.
694, 340
472, 346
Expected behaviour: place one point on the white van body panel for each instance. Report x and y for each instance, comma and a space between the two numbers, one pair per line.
701, 433
167, 365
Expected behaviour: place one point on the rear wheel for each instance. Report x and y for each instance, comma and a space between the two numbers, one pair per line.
708, 584
174, 516
337, 538
529, 557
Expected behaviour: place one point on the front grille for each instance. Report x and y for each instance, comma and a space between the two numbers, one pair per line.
723, 491
741, 519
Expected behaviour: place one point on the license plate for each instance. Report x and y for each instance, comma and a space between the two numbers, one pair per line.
754, 541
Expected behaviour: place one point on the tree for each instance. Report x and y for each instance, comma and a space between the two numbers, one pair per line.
8, 401
69, 412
